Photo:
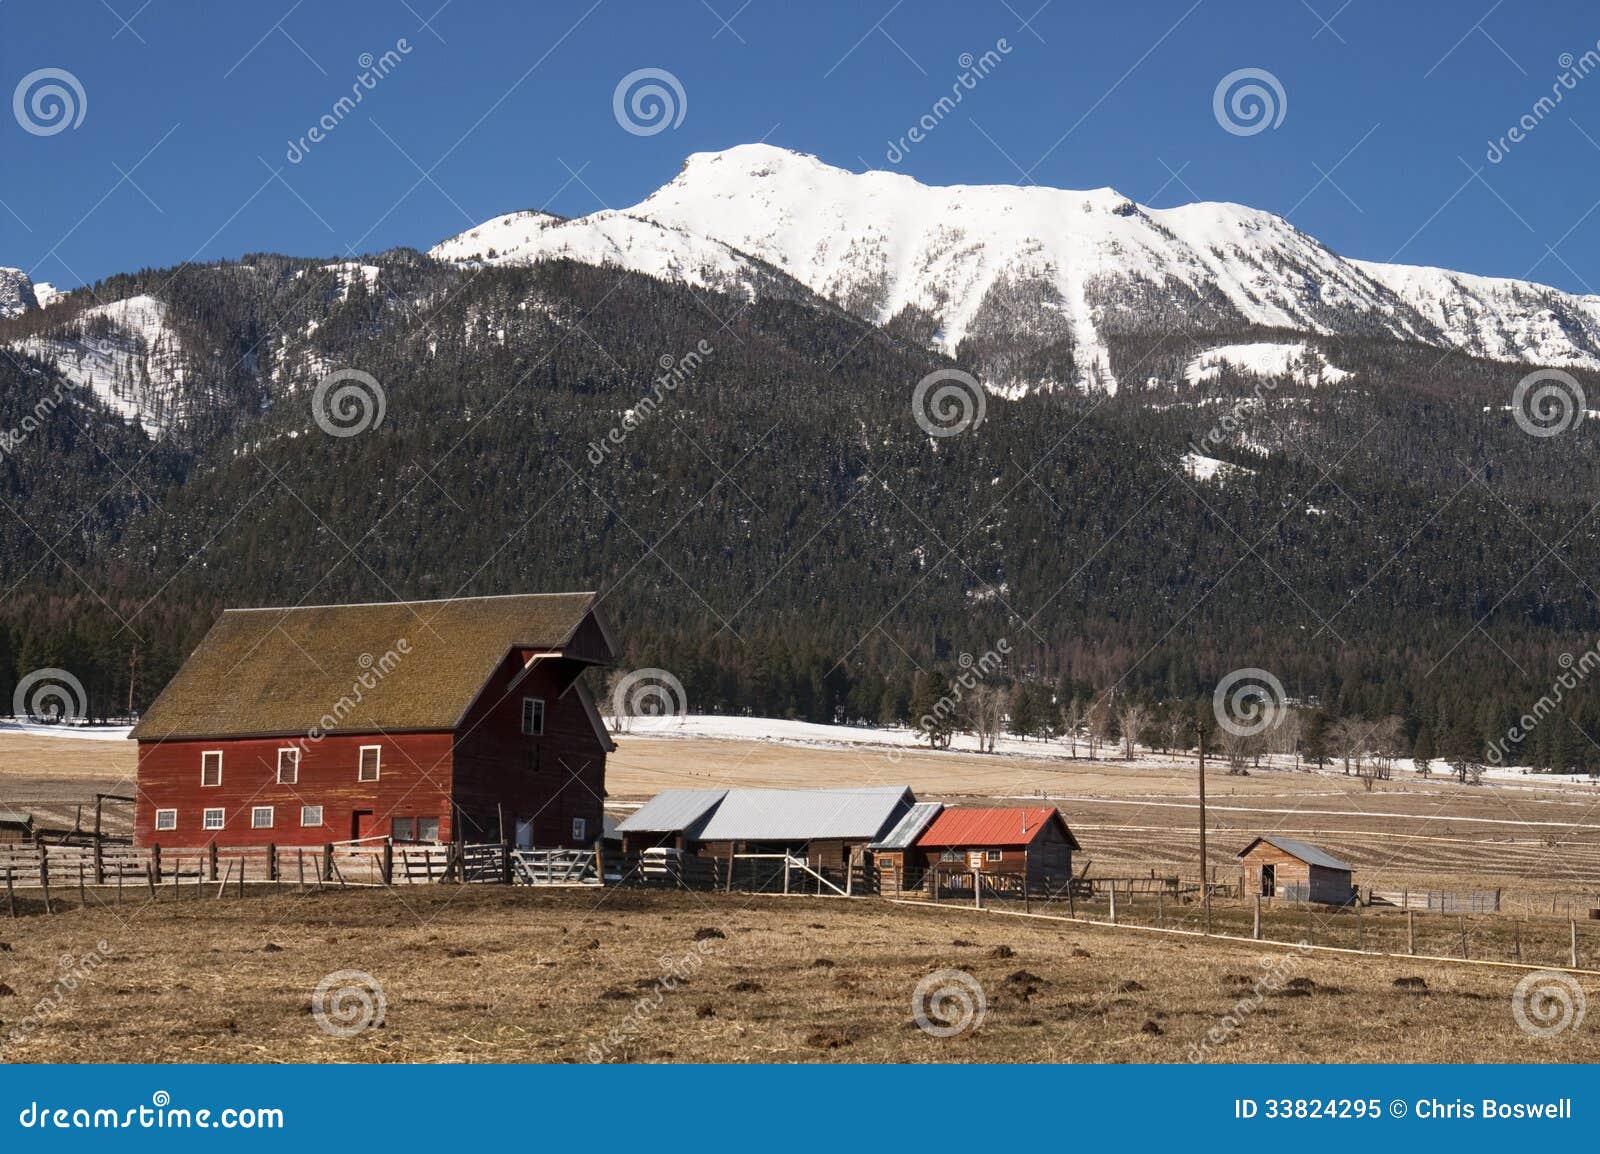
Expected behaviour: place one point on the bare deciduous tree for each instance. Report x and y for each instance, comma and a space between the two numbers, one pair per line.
1132, 718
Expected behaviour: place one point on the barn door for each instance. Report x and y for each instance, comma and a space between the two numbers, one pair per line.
1269, 880
361, 824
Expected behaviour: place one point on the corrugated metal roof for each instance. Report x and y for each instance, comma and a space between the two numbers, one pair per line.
807, 814
672, 811
15, 817
1305, 851
904, 834
1016, 825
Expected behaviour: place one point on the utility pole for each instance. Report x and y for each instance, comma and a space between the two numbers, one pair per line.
133, 677
1205, 886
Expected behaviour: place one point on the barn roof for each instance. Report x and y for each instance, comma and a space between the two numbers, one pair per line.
1012, 825
904, 834
807, 814
1305, 851
672, 811
385, 667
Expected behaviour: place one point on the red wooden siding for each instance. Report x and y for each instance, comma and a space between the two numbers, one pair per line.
414, 781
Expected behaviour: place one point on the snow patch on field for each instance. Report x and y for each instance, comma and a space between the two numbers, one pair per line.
1265, 359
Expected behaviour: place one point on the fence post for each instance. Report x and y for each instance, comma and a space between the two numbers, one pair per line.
155, 863
327, 861
1161, 906
1112, 892
1255, 931
600, 860
505, 862
1411, 931
1574, 925
11, 893
300, 864
1516, 940
1360, 937
44, 876
241, 875
211, 861
99, 856
786, 874
1027, 906
83, 896
977, 889
388, 861
272, 861
150, 877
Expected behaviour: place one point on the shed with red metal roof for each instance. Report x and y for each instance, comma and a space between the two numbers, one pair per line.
1004, 844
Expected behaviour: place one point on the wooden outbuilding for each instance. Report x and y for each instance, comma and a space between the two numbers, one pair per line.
15, 826
1298, 871
1034, 842
420, 721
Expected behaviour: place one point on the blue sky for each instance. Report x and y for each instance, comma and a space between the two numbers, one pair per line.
189, 110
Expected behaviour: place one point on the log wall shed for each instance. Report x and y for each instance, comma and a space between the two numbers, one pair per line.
897, 863
1016, 841
415, 720
1285, 868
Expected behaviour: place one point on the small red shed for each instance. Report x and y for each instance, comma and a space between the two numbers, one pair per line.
415, 720
1015, 841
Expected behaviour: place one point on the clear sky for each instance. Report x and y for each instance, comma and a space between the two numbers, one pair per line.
189, 110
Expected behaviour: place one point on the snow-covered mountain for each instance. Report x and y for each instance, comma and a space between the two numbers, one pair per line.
126, 353
17, 294
1012, 273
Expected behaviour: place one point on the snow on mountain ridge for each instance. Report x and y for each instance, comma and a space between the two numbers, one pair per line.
18, 294
1021, 271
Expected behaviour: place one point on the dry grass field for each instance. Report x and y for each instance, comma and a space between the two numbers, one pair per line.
481, 974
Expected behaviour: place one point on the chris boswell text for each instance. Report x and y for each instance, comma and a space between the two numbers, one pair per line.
1425, 1109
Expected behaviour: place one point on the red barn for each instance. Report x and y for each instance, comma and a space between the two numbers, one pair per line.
417, 720
1011, 841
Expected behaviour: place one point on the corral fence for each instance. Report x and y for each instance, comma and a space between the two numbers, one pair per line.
374, 862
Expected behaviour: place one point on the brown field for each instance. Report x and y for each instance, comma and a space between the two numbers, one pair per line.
486, 974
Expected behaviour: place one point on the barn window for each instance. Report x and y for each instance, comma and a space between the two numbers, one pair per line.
212, 819
211, 767
533, 716
403, 829
580, 826
371, 756
427, 829
166, 819
261, 817
288, 766
993, 855
311, 815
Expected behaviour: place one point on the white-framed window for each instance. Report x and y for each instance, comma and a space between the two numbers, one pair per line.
211, 767
533, 716
371, 761
166, 819
580, 827
311, 815
993, 855
288, 765
213, 819
261, 817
